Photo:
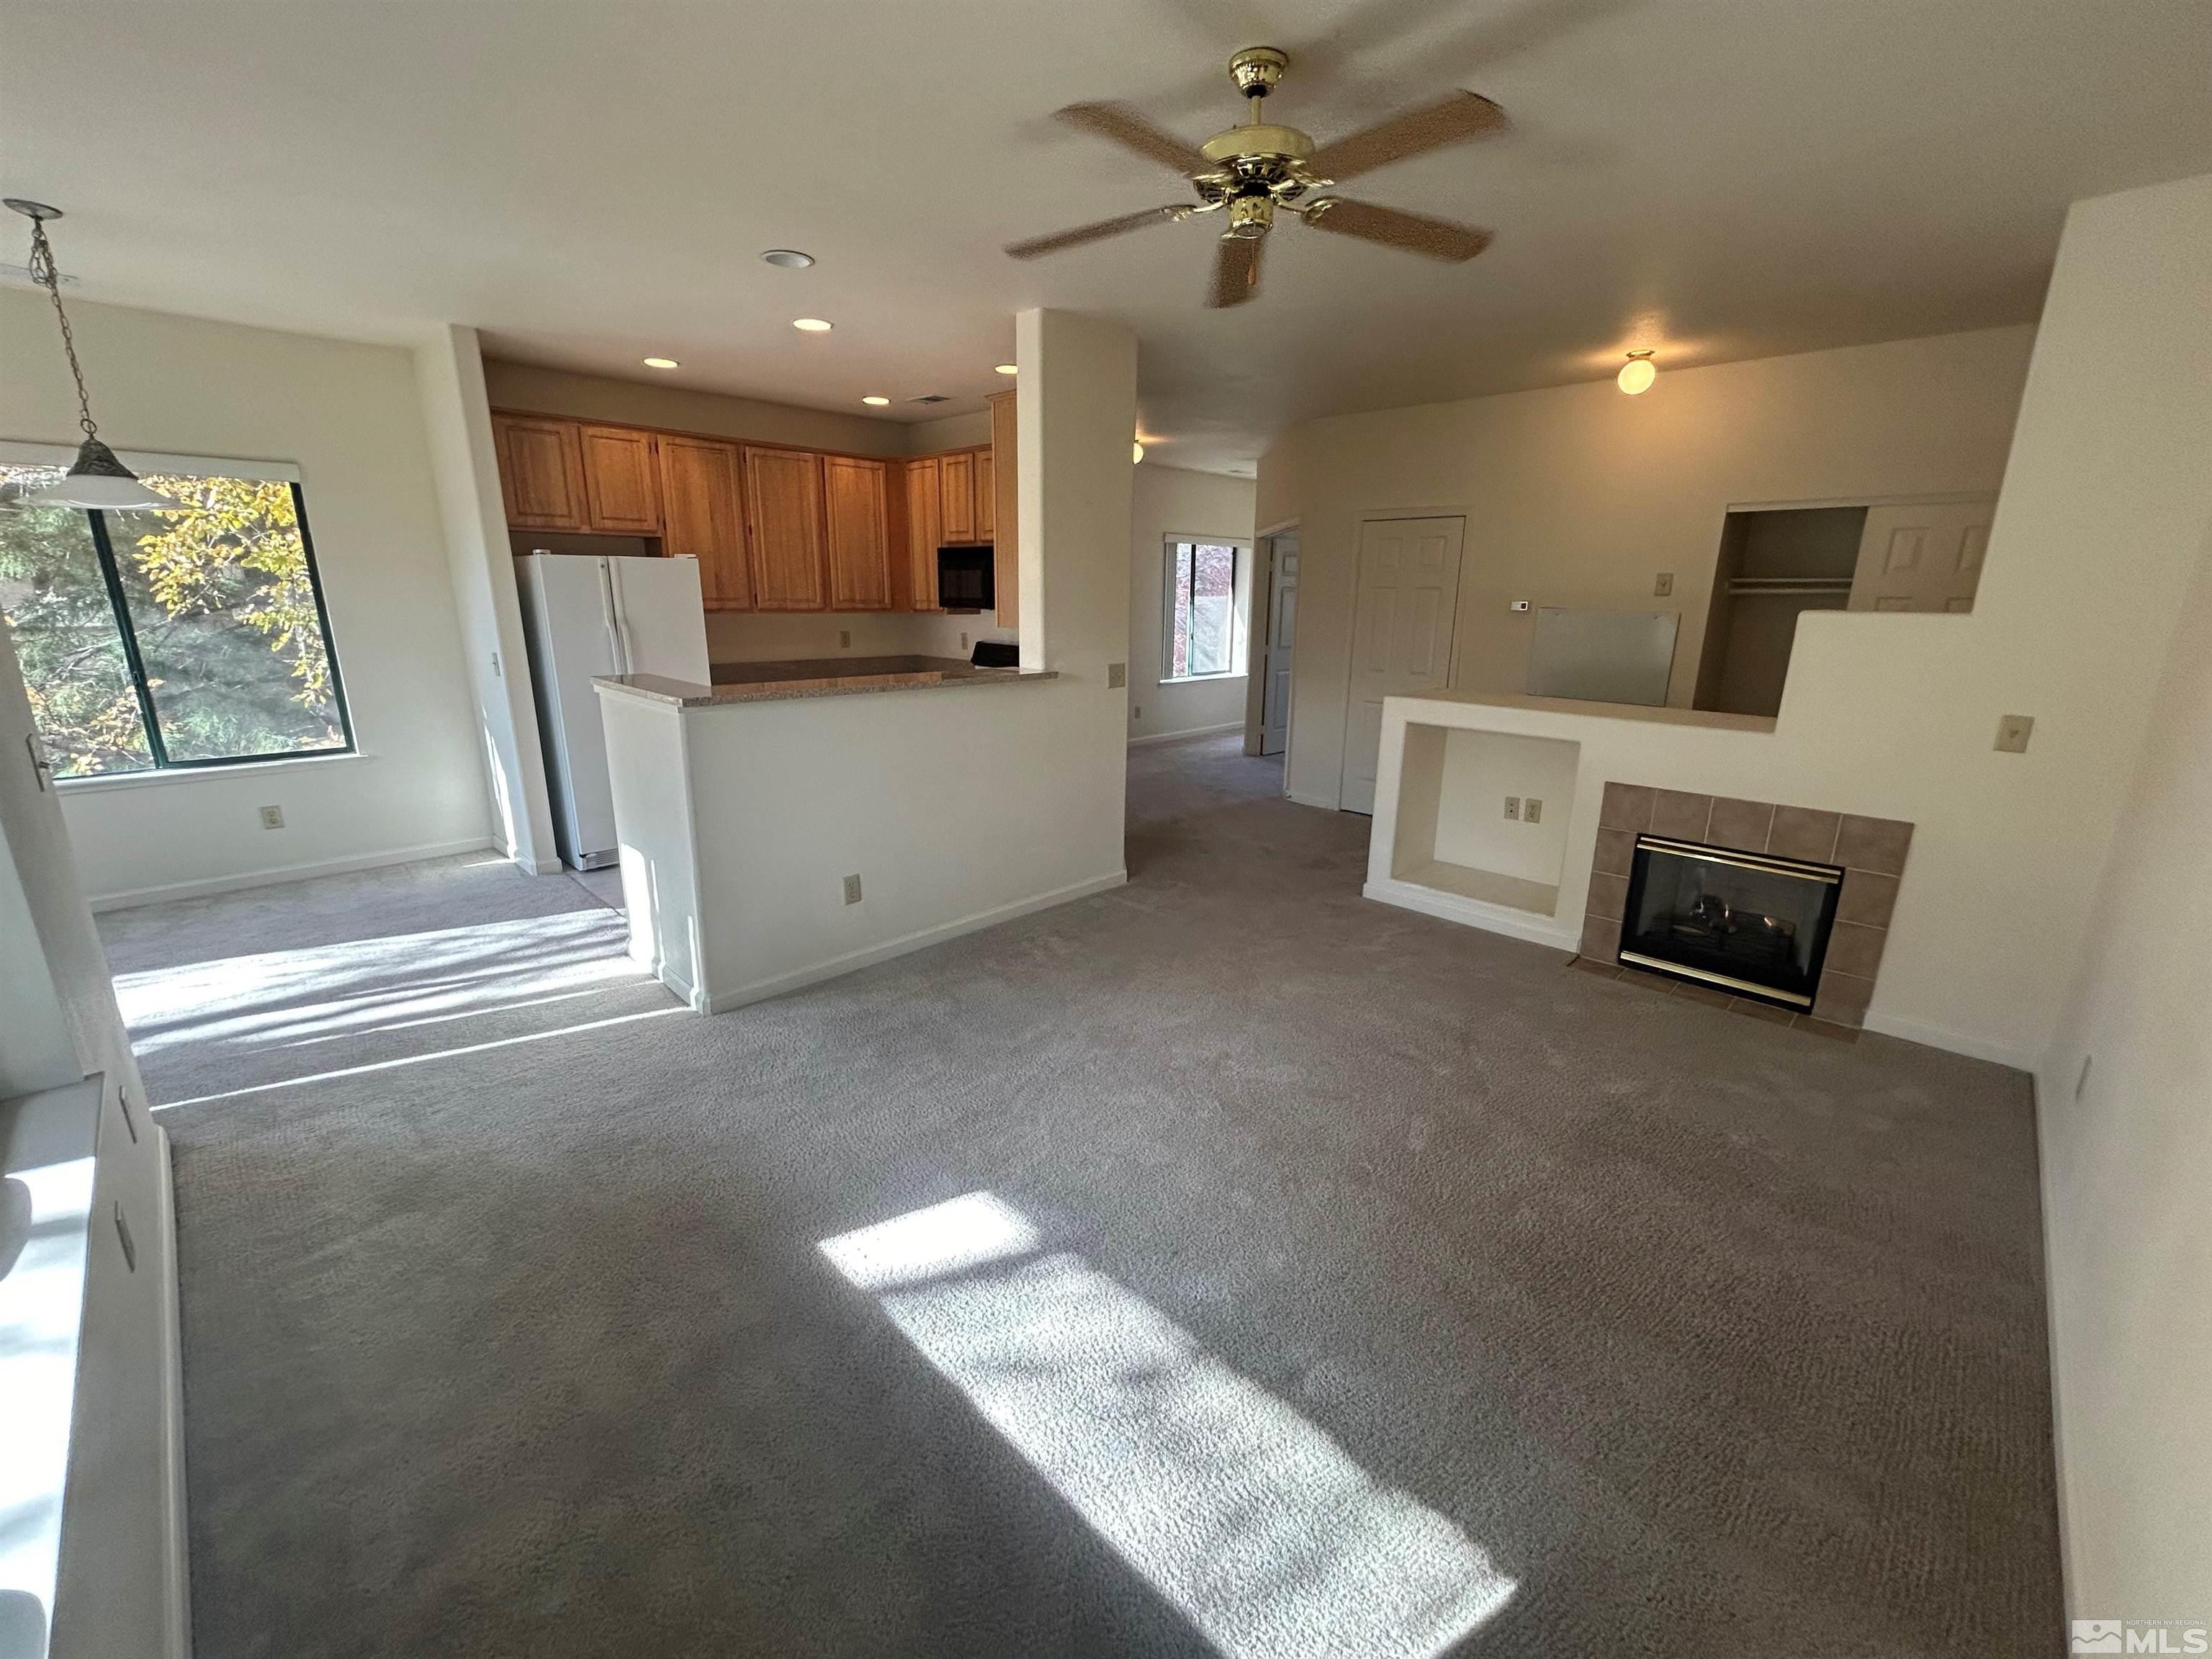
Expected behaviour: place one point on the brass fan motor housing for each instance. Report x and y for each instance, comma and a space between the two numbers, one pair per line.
1262, 139
1258, 70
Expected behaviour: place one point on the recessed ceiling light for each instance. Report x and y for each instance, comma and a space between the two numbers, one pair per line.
876, 403
1008, 368
789, 258
662, 362
809, 325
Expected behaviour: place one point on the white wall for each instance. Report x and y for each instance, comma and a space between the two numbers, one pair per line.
348, 415
1170, 502
2126, 1163
2099, 528
1579, 495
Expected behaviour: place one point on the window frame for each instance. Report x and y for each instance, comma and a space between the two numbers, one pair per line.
1239, 551
119, 605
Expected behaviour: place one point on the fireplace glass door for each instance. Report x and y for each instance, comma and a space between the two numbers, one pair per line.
1743, 922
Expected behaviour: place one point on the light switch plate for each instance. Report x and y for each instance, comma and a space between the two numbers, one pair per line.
1520, 605
844, 637
2012, 732
1117, 675
1532, 812
852, 890
1664, 585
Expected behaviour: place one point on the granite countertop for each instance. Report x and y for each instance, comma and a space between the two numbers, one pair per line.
828, 676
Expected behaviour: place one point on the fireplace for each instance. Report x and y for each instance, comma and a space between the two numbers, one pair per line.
1751, 924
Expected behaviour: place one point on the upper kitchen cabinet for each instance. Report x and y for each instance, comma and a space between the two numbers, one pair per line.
622, 481
541, 472
924, 531
784, 528
987, 493
856, 515
703, 517
955, 494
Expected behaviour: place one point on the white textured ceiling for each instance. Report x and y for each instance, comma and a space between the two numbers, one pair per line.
589, 184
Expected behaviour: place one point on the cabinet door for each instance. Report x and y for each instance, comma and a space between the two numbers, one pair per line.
923, 530
1005, 556
986, 497
856, 524
702, 518
622, 484
956, 496
783, 528
541, 472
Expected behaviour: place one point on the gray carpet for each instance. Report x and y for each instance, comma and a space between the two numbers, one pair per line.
1310, 1278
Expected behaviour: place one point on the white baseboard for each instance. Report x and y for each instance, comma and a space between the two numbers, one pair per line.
284, 872
1957, 1042
176, 1588
1152, 737
1322, 801
1493, 918
721, 1002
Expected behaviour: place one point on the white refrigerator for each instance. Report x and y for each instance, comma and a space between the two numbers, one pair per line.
588, 615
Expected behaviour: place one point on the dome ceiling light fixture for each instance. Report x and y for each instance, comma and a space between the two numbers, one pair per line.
809, 325
874, 402
95, 478
1006, 369
1637, 373
789, 259
662, 362
1252, 171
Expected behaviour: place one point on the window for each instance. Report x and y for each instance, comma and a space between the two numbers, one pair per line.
1201, 636
190, 638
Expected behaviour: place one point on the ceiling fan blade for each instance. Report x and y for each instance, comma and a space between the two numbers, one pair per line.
1439, 239
1037, 246
1124, 127
1236, 271
1453, 119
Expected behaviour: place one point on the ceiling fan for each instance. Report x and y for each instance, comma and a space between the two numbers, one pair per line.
1252, 171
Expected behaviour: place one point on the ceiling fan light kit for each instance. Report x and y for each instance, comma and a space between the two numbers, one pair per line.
1251, 173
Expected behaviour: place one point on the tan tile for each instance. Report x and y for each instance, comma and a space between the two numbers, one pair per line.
1828, 1028
1616, 853
1876, 844
1645, 980
1704, 993
1602, 938
1800, 833
1855, 948
1867, 899
1743, 824
1765, 1010
1683, 816
1608, 898
1626, 806
1842, 999
1602, 970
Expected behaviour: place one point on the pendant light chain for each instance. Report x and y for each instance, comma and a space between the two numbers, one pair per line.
42, 271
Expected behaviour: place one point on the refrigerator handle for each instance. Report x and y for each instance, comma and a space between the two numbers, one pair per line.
610, 615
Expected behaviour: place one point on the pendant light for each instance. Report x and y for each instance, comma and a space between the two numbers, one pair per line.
96, 479
1637, 373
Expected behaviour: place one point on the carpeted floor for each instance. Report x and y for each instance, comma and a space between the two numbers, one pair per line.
1225, 1264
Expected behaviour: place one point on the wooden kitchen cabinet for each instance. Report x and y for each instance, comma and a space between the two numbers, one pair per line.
1006, 560
856, 525
955, 494
924, 531
986, 497
784, 529
622, 481
541, 472
703, 517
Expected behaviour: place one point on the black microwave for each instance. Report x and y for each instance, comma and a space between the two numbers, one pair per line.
966, 579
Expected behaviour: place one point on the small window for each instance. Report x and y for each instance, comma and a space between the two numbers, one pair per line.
153, 640
1201, 636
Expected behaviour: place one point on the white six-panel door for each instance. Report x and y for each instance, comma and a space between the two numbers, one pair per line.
1922, 558
1401, 632
1282, 639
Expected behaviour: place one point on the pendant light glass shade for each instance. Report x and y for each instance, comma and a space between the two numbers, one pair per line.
99, 480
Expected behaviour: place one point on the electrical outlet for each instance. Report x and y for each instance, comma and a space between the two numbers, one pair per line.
844, 639
1532, 812
852, 890
963, 642
272, 817
1136, 711
1117, 675
2012, 732
1664, 585
1513, 808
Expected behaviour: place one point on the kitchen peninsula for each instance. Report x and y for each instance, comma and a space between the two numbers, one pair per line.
795, 821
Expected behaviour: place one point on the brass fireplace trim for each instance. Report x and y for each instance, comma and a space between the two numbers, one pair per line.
1763, 862
1711, 978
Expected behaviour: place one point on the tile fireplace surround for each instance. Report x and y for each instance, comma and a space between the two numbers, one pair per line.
1871, 851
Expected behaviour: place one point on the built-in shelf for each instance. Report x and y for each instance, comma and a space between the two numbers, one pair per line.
1453, 836
1515, 892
